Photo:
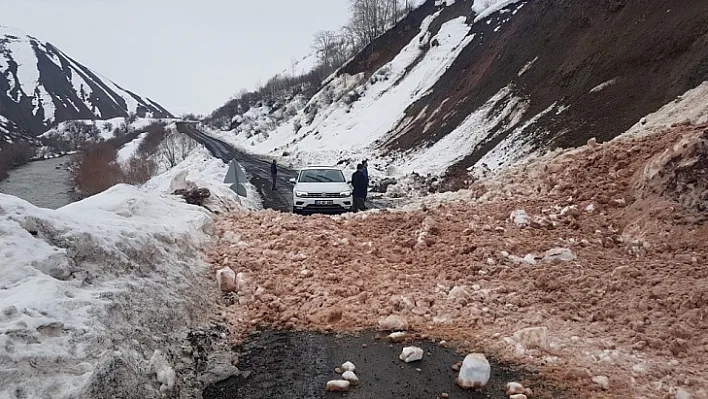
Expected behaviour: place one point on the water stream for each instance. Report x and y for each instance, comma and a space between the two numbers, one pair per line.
43, 183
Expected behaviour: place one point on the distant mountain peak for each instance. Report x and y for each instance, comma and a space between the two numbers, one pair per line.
41, 86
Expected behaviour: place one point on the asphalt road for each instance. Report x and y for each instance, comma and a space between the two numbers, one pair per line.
280, 199
297, 365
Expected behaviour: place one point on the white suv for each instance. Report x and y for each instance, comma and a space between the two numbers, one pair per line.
321, 189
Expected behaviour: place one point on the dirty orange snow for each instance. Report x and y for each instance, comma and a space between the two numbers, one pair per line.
591, 265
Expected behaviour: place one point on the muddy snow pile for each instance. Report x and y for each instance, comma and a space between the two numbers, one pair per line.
588, 265
96, 296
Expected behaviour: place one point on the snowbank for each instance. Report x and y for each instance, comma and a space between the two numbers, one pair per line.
75, 285
201, 169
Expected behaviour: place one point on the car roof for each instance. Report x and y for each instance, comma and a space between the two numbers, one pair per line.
320, 167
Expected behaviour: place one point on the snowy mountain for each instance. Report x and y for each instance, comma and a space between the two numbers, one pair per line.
459, 86
41, 86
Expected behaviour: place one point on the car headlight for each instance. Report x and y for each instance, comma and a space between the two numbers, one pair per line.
300, 194
345, 193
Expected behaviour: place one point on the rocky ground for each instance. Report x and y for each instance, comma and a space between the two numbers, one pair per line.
589, 265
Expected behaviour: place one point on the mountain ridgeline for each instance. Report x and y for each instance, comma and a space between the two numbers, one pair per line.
41, 86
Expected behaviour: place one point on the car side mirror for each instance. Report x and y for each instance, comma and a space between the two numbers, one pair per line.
349, 182
292, 180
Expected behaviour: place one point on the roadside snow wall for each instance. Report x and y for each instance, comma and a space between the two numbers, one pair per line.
90, 292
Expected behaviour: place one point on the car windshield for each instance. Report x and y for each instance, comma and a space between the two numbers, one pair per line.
321, 176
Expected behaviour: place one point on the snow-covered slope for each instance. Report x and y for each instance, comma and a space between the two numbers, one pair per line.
41, 86
461, 85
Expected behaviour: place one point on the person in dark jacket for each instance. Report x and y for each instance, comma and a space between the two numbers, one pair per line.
359, 184
274, 172
365, 172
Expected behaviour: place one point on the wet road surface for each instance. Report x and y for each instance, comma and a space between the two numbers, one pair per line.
280, 199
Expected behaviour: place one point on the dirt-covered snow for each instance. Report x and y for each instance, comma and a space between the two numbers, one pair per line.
76, 284
599, 282
102, 297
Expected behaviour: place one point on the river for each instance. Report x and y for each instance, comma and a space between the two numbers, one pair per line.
43, 183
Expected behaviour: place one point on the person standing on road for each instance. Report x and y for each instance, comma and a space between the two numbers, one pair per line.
274, 172
359, 192
365, 172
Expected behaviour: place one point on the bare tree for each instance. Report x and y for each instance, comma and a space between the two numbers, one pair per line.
371, 18
175, 148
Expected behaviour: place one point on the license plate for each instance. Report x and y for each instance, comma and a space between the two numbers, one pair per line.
324, 202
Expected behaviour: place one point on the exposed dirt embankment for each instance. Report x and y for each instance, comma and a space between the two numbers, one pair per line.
602, 65
608, 254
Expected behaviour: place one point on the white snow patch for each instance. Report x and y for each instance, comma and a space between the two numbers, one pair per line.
127, 151
514, 148
201, 169
603, 85
691, 107
462, 141
527, 67
483, 9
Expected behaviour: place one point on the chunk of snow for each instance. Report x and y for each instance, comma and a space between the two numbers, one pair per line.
397, 336
520, 217
514, 388
338, 386
411, 354
348, 366
475, 371
602, 381
351, 377
393, 323
533, 338
160, 366
563, 254
226, 279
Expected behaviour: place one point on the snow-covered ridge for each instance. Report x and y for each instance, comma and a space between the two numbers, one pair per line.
350, 118
475, 90
45, 86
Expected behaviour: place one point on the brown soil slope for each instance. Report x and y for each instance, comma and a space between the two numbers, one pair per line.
652, 50
630, 303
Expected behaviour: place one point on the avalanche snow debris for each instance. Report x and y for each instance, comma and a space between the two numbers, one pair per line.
338, 386
393, 323
475, 371
533, 338
411, 354
351, 377
348, 366
226, 279
650, 311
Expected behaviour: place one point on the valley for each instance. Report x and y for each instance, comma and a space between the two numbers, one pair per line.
538, 198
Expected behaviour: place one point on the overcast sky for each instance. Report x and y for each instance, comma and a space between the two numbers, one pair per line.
188, 55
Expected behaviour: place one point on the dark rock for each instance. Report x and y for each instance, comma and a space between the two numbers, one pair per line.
195, 196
